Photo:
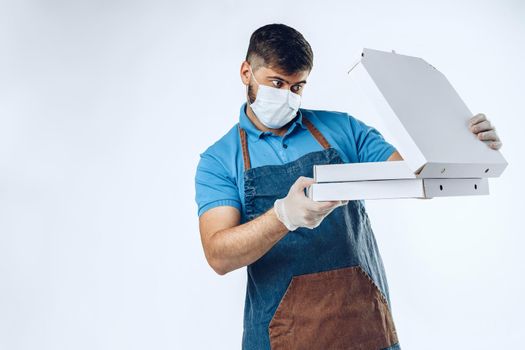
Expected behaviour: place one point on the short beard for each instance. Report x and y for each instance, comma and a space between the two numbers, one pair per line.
251, 94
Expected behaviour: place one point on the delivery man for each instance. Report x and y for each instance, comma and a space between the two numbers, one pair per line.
315, 276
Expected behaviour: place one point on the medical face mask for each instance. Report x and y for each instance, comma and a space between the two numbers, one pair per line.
274, 107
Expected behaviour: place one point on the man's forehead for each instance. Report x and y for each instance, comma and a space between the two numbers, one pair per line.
269, 71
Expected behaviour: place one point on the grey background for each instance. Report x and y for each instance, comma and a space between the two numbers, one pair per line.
105, 107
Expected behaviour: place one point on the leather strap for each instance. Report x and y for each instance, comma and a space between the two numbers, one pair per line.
245, 154
316, 133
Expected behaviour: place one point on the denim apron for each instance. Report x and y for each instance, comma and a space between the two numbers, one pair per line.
321, 288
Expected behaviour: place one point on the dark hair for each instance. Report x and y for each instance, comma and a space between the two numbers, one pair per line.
281, 47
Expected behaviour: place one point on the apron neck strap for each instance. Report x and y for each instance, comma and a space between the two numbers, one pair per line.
313, 130
244, 144
316, 133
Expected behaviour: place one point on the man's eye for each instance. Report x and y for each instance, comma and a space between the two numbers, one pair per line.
296, 88
277, 83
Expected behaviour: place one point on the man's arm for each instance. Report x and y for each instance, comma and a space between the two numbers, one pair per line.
395, 156
229, 246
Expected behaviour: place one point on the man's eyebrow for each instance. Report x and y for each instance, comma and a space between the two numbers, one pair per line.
279, 78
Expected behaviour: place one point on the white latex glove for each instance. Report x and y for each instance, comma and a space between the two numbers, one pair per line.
481, 127
296, 210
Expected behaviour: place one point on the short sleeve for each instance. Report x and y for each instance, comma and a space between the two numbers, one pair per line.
370, 144
214, 186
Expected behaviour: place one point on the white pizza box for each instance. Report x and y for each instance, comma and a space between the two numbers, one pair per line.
398, 188
428, 122
363, 171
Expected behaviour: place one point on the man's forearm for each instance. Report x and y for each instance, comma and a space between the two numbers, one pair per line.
243, 244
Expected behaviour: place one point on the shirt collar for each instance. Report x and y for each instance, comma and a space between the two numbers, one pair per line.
255, 134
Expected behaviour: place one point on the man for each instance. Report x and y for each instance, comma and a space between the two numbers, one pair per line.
315, 276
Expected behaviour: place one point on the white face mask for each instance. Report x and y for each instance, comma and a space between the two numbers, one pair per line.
274, 107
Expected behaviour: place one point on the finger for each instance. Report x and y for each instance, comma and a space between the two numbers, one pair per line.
317, 216
482, 126
477, 119
315, 207
488, 136
325, 212
321, 207
330, 205
495, 145
311, 223
318, 207
301, 183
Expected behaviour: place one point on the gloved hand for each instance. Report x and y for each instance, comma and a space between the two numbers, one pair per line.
296, 210
480, 125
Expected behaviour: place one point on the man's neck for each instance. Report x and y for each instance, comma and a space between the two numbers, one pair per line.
261, 126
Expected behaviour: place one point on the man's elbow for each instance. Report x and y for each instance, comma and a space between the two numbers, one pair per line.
218, 268
217, 265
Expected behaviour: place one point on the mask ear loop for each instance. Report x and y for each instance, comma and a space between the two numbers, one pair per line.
248, 95
253, 76
248, 85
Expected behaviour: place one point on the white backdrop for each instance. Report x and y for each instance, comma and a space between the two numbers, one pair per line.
105, 107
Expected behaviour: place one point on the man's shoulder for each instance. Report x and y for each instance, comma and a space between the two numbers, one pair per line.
331, 118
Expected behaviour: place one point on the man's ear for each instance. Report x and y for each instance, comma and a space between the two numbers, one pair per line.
245, 72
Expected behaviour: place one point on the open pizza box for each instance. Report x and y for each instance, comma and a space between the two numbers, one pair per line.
428, 122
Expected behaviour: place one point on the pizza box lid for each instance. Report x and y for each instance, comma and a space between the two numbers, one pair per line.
428, 119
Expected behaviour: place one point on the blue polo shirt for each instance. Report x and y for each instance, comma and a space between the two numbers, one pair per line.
219, 178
